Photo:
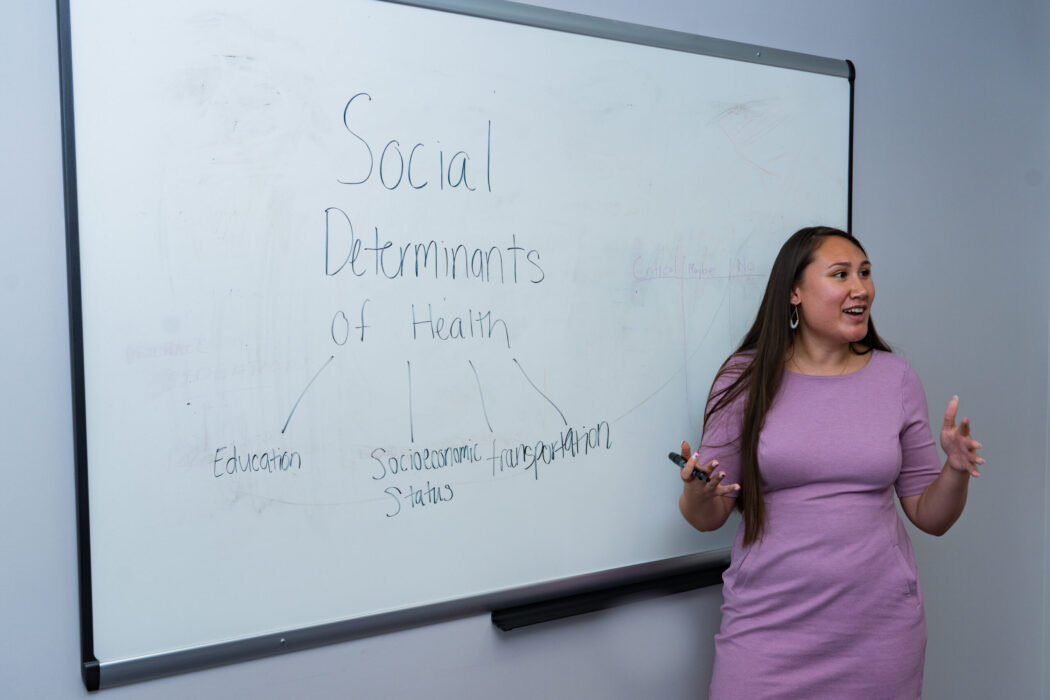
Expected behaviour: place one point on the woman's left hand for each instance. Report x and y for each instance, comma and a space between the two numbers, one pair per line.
958, 445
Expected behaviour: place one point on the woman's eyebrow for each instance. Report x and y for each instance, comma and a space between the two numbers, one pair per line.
846, 263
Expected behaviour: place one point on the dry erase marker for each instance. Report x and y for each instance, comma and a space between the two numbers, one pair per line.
681, 461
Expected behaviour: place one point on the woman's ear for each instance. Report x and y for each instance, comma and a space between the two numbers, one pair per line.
795, 298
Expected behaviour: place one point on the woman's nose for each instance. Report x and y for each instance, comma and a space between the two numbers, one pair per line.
859, 290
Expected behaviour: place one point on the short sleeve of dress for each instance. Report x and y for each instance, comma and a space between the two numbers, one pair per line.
920, 462
721, 438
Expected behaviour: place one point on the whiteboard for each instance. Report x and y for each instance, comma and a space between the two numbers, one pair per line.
381, 309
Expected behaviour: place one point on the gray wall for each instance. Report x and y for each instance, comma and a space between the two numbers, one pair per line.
952, 184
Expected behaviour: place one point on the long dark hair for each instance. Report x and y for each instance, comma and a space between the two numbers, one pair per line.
768, 343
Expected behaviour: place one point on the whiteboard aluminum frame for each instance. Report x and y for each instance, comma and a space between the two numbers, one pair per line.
97, 675
601, 28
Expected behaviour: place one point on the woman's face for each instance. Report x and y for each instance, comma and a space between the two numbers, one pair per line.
835, 294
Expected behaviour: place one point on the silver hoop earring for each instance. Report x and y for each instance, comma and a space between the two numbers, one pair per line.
794, 317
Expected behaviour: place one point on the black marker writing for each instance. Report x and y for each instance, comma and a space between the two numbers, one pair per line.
476, 324
569, 444
426, 459
270, 461
344, 252
411, 427
341, 326
426, 496
395, 168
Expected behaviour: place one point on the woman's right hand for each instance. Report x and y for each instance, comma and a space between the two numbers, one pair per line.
700, 503
700, 488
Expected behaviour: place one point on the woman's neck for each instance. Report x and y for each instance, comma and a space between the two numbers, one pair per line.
808, 357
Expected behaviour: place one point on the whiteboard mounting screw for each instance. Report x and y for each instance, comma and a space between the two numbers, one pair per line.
758, 53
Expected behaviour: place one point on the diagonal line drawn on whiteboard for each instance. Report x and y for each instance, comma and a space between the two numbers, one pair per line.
411, 425
540, 392
308, 385
481, 394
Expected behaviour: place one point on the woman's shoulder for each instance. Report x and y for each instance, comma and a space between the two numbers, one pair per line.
739, 361
734, 366
889, 364
731, 370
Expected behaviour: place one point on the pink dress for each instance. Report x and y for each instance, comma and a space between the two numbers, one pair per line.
828, 603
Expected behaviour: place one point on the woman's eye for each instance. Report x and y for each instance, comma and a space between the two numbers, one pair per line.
841, 274
865, 273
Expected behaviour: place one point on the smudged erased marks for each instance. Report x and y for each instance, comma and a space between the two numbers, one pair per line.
676, 263
695, 346
165, 350
261, 502
680, 374
746, 125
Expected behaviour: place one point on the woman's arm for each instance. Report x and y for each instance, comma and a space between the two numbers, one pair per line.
704, 504
937, 508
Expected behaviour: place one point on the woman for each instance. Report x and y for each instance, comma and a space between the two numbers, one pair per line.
809, 429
